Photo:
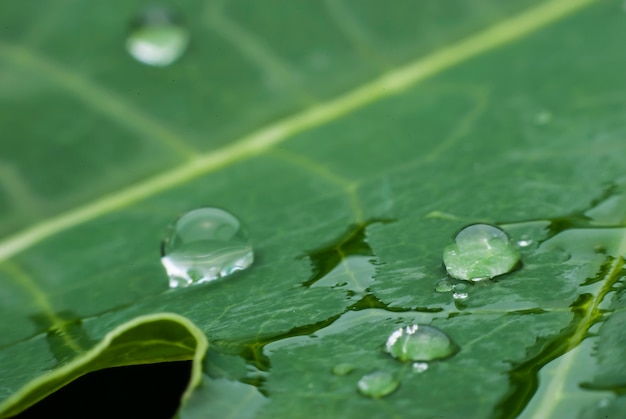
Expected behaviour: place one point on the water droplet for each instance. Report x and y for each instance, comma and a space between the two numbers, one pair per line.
420, 342
460, 290
205, 244
377, 384
157, 37
460, 295
444, 286
343, 369
480, 251
460, 287
420, 367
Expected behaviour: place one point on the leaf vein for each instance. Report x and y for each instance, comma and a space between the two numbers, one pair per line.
262, 140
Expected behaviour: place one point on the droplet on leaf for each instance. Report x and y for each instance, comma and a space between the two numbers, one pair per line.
460, 291
343, 369
444, 285
460, 295
480, 251
205, 244
419, 342
377, 384
157, 37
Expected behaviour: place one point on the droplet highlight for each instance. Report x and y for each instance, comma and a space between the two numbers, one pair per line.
157, 37
203, 245
419, 342
524, 241
460, 295
420, 367
460, 291
377, 384
480, 251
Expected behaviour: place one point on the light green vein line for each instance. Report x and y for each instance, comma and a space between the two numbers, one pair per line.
353, 31
551, 396
349, 187
253, 144
347, 23
254, 50
465, 125
95, 97
21, 278
352, 276
21, 197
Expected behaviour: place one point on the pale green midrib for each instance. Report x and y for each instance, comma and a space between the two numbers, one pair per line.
196, 375
259, 141
551, 396
96, 98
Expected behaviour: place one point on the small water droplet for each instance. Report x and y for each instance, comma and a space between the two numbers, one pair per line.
377, 384
419, 342
420, 367
343, 369
444, 286
205, 244
460, 289
157, 37
480, 251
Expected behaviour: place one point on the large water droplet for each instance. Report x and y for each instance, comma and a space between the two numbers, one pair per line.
480, 251
157, 37
377, 384
419, 342
205, 244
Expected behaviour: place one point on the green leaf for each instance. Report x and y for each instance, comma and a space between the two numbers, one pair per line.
163, 336
354, 141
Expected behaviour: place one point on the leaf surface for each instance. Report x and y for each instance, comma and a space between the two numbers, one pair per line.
353, 141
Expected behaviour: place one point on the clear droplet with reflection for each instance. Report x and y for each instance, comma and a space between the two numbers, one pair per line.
343, 369
444, 285
420, 342
377, 384
460, 291
157, 37
205, 244
480, 251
